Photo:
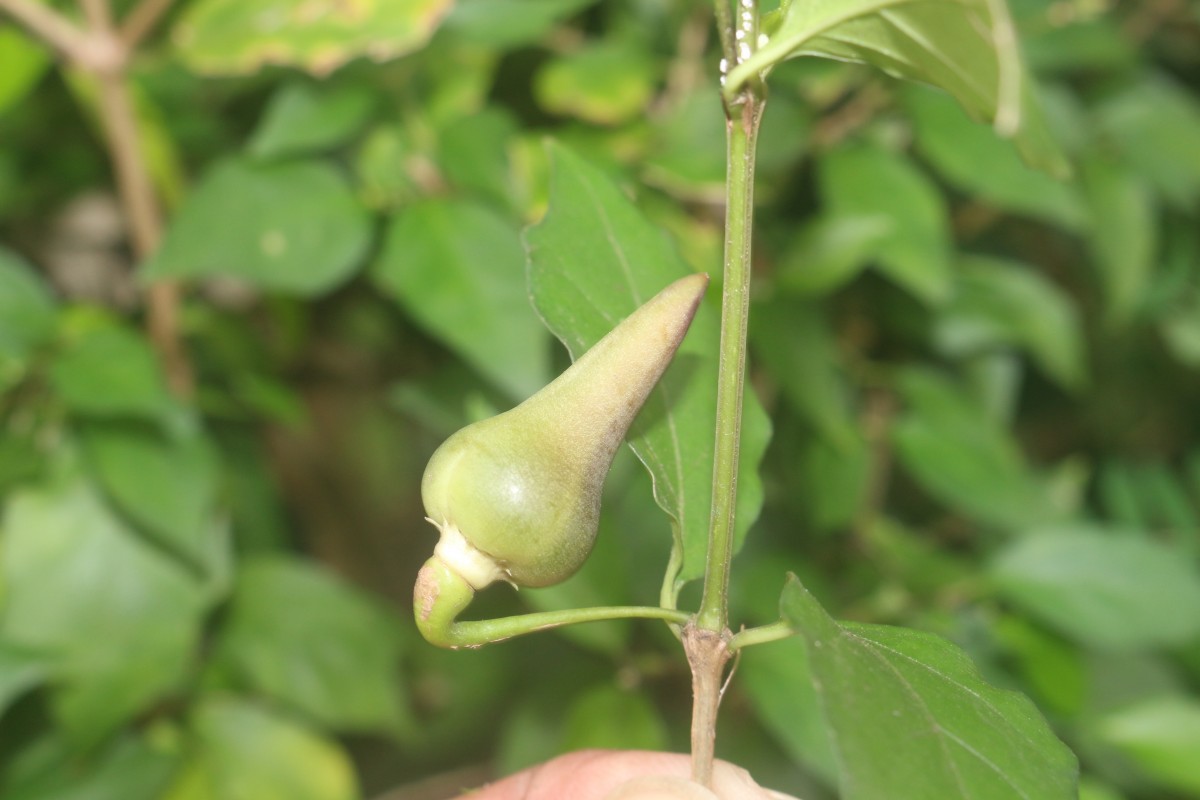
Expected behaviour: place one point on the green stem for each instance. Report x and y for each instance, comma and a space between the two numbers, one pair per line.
441, 594
761, 635
743, 117
725, 32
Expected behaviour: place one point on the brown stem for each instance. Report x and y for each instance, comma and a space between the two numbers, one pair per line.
877, 419
52, 27
135, 188
707, 653
139, 22
853, 114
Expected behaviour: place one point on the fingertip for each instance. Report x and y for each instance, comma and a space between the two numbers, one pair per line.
660, 787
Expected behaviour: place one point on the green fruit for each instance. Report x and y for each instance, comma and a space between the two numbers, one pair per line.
517, 497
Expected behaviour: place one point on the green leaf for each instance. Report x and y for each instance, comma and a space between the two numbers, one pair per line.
507, 24
313, 644
1094, 44
21, 669
605, 83
831, 250
130, 767
291, 227
305, 117
960, 46
120, 619
794, 343
688, 155
1123, 234
1102, 588
110, 371
1180, 330
593, 260
974, 159
998, 302
243, 752
1053, 667
165, 480
457, 268
687, 149
381, 164
230, 37
1156, 125
607, 716
473, 153
964, 457
831, 479
778, 680
26, 309
23, 62
910, 716
1162, 735
862, 180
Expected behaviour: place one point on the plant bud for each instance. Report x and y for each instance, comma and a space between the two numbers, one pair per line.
517, 497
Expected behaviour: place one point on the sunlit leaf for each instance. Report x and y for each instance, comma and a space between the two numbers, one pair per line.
911, 717
236, 36
593, 260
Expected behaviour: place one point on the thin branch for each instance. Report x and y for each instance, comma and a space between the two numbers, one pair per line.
877, 420
98, 14
134, 185
46, 23
138, 24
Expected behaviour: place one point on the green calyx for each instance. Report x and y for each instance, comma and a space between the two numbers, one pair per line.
517, 497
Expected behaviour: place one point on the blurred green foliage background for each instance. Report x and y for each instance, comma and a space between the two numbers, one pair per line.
983, 383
